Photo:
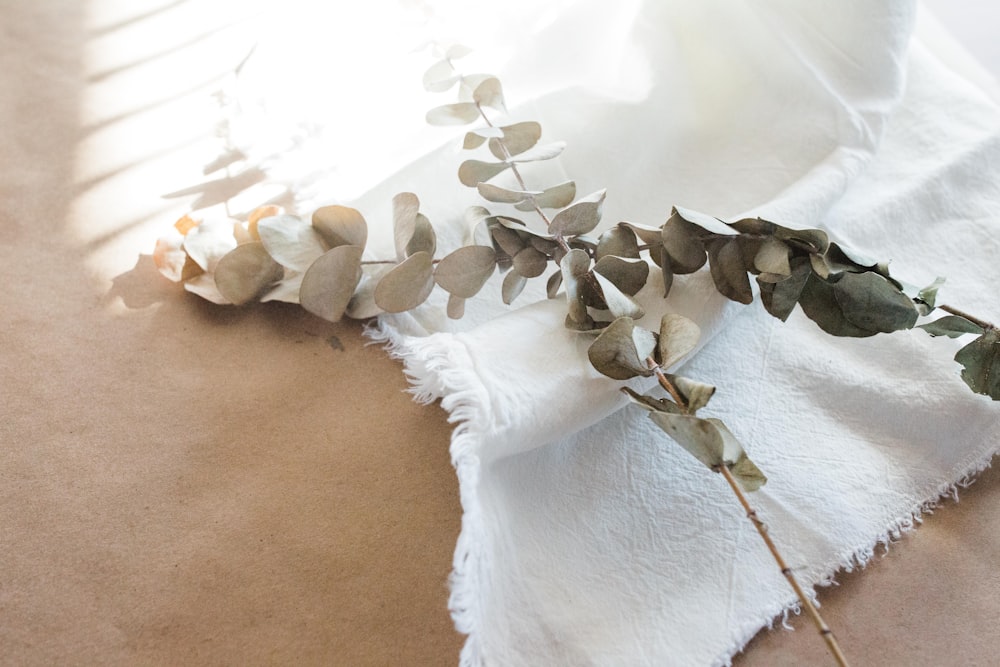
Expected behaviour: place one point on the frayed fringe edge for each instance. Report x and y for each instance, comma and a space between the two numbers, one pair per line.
861, 556
436, 370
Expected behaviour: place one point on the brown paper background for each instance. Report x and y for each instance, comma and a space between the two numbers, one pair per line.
187, 484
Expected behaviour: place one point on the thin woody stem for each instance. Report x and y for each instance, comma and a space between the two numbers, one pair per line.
975, 320
821, 626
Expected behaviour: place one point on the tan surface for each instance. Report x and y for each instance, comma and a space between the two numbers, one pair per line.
184, 484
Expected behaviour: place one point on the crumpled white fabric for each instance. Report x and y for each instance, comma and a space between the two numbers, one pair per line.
588, 538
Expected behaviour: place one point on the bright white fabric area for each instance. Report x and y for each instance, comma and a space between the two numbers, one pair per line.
588, 537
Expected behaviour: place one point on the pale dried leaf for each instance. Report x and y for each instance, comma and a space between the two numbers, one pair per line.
209, 242
340, 225
204, 286
286, 290
620, 351
695, 394
440, 76
616, 301
291, 241
423, 238
530, 263
579, 218
246, 272
329, 283
772, 258
678, 336
473, 172
456, 307
259, 214
489, 93
169, 256
407, 285
557, 196
706, 222
699, 437
539, 153
628, 275
516, 139
513, 285
553, 284
574, 267
362, 304
405, 207
459, 113
463, 272
500, 195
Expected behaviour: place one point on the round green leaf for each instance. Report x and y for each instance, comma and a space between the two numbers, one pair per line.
245, 272
980, 362
821, 306
407, 285
464, 272
329, 283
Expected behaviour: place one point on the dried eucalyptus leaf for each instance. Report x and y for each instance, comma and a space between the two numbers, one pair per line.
666, 270
209, 242
456, 307
516, 139
620, 351
699, 437
539, 153
340, 225
530, 263
557, 196
489, 93
706, 222
951, 326
815, 239
362, 304
980, 362
847, 259
683, 244
728, 272
695, 394
820, 266
459, 113
543, 245
579, 218
772, 257
472, 140
246, 272
678, 336
779, 298
747, 473
574, 268
291, 241
553, 284
473, 172
203, 285
329, 283
619, 241
503, 195
464, 272
439, 77
821, 306
512, 286
871, 302
628, 275
616, 301
285, 290
405, 207
423, 239
926, 298
508, 240
645, 233
650, 403
407, 285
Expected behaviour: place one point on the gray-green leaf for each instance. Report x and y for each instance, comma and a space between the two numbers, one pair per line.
579, 218
408, 285
619, 241
557, 196
516, 139
628, 275
473, 172
620, 351
728, 270
871, 302
678, 336
464, 272
245, 272
540, 153
513, 284
951, 326
821, 306
340, 225
405, 207
459, 113
329, 283
503, 195
980, 362
683, 244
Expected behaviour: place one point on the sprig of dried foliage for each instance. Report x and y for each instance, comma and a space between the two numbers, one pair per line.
320, 264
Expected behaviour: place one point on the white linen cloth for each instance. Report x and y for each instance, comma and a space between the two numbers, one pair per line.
588, 537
